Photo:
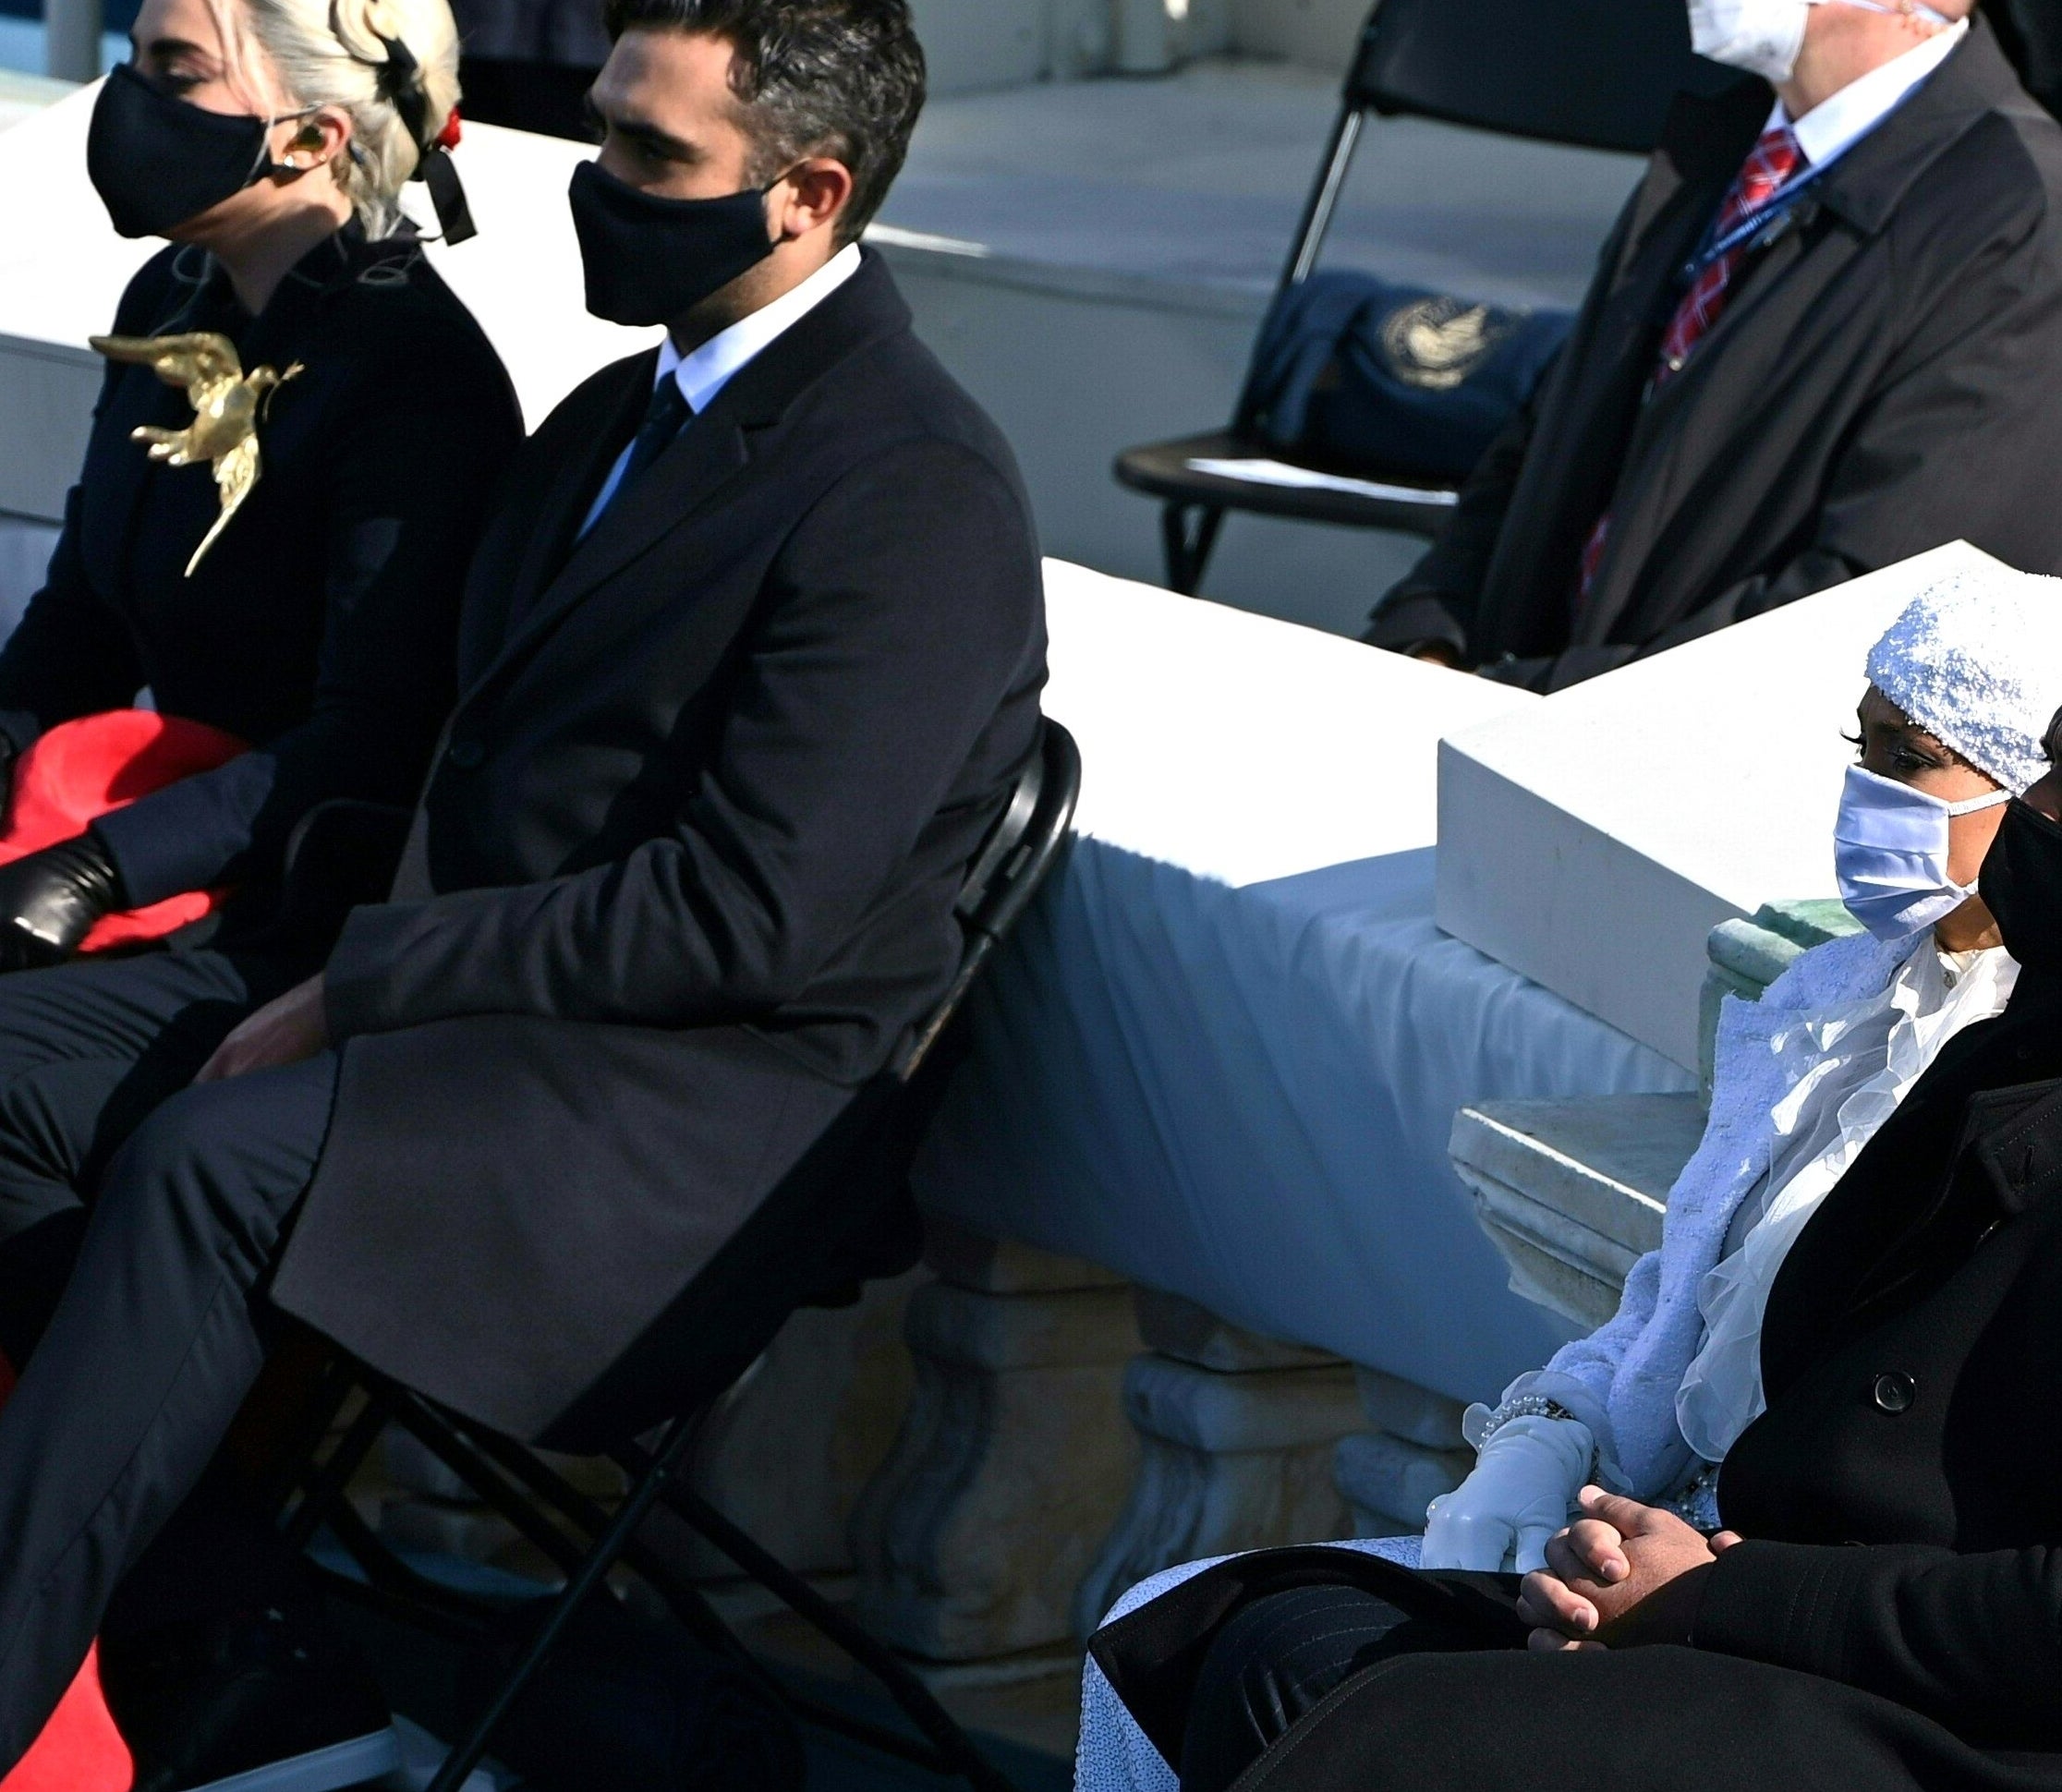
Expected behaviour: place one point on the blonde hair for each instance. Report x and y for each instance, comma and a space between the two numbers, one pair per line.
334, 53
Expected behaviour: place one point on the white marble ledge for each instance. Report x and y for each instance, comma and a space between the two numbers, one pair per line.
1572, 1193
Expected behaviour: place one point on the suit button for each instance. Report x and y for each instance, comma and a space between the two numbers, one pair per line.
1894, 1393
467, 755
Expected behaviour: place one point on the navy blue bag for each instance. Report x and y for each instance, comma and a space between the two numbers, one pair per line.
1395, 379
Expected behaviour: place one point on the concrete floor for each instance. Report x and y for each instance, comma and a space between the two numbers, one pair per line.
1197, 179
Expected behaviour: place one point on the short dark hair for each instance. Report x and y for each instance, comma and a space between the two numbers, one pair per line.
837, 77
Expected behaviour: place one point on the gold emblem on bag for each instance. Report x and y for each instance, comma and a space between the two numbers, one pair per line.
1434, 344
227, 406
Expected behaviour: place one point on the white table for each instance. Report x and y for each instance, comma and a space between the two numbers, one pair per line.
1224, 1056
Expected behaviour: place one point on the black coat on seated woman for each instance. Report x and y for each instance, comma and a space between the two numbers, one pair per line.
321, 626
1894, 1619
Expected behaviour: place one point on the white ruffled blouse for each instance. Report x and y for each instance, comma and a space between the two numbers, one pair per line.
1804, 1077
1866, 1055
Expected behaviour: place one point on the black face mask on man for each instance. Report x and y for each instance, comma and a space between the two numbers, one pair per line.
2021, 886
157, 160
649, 259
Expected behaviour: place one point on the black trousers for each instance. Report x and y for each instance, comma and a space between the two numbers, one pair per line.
176, 1200
1277, 1659
1331, 1688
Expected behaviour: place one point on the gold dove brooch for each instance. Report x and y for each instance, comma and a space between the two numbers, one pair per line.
228, 405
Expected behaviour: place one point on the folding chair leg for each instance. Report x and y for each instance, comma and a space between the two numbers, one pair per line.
1188, 533
917, 1703
632, 1513
326, 1484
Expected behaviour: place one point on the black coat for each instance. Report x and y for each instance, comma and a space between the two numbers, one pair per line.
321, 626
698, 826
1898, 1601
1887, 376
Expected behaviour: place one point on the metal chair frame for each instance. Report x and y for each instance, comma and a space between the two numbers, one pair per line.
584, 1541
1379, 80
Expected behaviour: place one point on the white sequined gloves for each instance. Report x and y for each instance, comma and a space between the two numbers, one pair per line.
1520, 1494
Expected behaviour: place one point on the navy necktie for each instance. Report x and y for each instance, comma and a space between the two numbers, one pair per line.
664, 419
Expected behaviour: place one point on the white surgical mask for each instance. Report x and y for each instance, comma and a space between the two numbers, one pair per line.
1890, 854
1766, 37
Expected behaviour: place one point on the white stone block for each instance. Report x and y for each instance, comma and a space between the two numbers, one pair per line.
972, 45
1319, 32
1266, 749
1594, 842
1574, 1192
1389, 1483
1405, 1410
1227, 1463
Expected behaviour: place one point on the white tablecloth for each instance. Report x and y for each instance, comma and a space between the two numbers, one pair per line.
1221, 1064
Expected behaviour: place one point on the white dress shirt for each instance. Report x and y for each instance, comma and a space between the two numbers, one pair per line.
705, 373
1838, 124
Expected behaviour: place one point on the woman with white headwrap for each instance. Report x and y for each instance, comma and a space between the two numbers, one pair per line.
1962, 691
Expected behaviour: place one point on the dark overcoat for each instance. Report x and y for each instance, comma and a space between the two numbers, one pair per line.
696, 831
320, 625
1887, 376
1894, 1619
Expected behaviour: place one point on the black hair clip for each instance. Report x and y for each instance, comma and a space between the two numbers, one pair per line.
399, 82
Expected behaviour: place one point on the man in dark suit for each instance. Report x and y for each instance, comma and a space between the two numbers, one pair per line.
750, 662
1885, 1614
1821, 339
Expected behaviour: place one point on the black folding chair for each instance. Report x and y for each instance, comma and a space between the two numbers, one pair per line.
584, 1541
1599, 74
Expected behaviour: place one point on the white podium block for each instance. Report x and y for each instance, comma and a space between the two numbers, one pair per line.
1241, 748
1593, 841
63, 269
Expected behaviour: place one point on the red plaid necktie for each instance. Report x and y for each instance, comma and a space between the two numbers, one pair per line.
1774, 159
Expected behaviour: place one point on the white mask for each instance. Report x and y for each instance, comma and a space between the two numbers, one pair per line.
1766, 37
1890, 854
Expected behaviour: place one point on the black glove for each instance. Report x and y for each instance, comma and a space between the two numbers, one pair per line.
49, 901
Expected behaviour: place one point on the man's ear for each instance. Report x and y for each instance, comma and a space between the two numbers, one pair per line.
814, 194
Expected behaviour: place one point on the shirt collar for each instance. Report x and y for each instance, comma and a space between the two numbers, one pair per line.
1836, 124
705, 373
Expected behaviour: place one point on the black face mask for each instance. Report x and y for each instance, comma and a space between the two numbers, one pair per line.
156, 161
2021, 886
650, 260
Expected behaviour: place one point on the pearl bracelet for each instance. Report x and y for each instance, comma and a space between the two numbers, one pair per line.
1526, 1406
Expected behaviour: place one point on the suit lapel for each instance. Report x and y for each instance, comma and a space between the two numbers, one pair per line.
1593, 418
706, 456
713, 449
571, 491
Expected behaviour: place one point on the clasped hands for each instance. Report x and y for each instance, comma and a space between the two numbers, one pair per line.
1622, 1575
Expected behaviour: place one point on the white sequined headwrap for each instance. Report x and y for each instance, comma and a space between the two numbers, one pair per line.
1976, 660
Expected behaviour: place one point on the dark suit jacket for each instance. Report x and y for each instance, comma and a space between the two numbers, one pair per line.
1902, 1498
1887, 376
321, 626
697, 828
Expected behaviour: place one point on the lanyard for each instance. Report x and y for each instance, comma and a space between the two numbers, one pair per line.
1771, 210
1769, 215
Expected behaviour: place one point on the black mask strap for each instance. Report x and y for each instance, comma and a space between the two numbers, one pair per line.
399, 82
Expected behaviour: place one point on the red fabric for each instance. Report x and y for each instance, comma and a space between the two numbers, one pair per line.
1776, 156
80, 1749
83, 769
80, 770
